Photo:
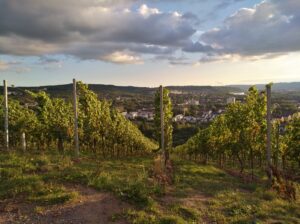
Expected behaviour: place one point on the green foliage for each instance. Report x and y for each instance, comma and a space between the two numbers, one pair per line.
136, 193
102, 127
50, 124
293, 139
21, 119
238, 133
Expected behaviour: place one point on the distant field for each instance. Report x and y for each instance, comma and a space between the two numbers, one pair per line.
39, 188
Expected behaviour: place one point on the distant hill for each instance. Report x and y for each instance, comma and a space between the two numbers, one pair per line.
280, 87
205, 89
111, 91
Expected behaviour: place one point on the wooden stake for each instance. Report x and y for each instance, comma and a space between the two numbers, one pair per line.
6, 115
162, 126
269, 136
76, 139
23, 139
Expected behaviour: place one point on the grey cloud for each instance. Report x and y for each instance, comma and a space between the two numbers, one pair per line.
88, 29
96, 29
47, 60
197, 47
272, 27
174, 60
226, 3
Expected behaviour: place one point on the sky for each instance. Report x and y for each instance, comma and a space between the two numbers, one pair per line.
149, 42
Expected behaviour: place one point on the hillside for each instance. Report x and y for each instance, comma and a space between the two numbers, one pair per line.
113, 90
54, 188
278, 87
120, 176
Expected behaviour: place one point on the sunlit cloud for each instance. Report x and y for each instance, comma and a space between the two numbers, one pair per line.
122, 58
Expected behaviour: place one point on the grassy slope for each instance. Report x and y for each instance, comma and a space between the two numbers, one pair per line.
199, 194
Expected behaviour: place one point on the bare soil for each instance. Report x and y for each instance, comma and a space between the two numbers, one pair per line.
89, 208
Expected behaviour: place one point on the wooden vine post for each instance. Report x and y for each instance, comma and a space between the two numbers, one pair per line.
6, 136
76, 138
23, 141
162, 126
269, 136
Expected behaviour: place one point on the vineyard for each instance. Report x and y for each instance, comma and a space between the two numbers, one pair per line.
223, 174
238, 137
49, 125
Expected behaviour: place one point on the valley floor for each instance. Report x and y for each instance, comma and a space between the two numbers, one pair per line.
54, 188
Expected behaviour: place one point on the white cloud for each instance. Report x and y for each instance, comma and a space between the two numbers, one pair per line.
122, 58
146, 11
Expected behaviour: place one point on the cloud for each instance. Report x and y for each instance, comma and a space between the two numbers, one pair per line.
270, 28
9, 65
174, 60
225, 3
13, 66
3, 65
129, 31
197, 47
48, 62
122, 58
22, 69
146, 11
89, 29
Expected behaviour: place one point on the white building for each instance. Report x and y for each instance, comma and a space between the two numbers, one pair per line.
148, 115
132, 115
190, 119
178, 118
192, 102
230, 100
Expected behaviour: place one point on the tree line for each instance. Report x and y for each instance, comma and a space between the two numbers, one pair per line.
239, 137
50, 125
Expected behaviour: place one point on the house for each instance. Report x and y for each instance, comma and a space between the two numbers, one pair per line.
132, 115
148, 115
190, 119
230, 100
178, 118
192, 102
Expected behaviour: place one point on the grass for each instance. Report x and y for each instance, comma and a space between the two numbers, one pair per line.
199, 194
22, 177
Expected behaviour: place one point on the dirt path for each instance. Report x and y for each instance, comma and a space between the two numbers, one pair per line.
193, 200
91, 207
